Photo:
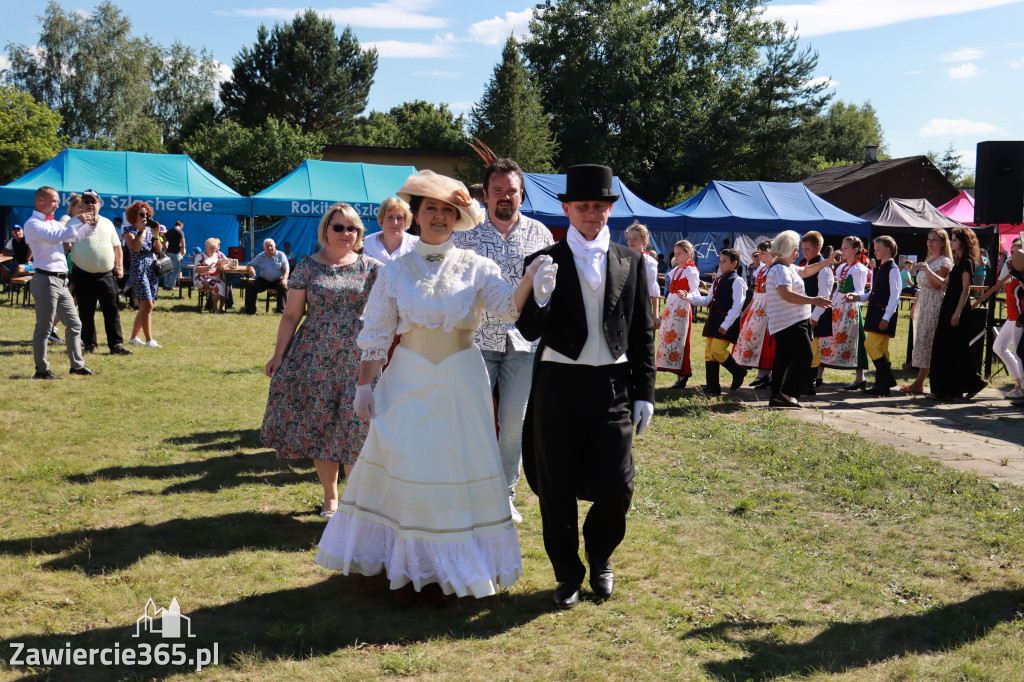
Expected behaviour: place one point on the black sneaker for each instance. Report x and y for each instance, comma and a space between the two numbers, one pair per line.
46, 375
84, 371
119, 349
54, 337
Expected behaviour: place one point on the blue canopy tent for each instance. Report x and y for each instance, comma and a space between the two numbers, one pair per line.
176, 186
751, 211
305, 194
542, 204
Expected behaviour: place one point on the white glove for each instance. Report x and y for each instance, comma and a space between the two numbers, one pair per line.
363, 403
543, 271
643, 411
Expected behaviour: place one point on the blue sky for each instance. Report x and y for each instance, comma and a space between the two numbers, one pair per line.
937, 71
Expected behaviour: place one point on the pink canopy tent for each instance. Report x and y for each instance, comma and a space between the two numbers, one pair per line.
961, 209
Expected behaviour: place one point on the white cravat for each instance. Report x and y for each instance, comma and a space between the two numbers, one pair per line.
591, 255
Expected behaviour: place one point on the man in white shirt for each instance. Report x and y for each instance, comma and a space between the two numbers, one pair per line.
507, 237
49, 286
594, 379
97, 266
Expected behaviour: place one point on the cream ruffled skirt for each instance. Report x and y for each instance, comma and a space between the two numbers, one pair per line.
427, 501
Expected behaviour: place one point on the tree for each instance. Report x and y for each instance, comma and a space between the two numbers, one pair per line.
510, 118
780, 112
95, 74
252, 159
185, 85
845, 130
949, 164
648, 88
412, 125
28, 133
302, 74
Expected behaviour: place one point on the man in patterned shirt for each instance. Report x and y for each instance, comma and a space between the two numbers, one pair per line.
506, 237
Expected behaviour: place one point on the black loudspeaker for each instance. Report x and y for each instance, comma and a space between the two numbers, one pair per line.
999, 183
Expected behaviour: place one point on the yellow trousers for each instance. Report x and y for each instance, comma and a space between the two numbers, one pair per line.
876, 345
716, 350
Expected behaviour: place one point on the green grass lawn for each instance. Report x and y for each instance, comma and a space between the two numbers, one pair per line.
758, 546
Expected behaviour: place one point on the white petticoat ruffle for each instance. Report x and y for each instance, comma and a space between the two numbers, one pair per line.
461, 567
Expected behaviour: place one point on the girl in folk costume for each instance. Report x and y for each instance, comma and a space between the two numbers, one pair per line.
880, 317
845, 348
1010, 333
674, 333
724, 301
756, 347
820, 284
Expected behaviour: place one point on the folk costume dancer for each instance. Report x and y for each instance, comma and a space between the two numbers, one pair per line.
725, 302
880, 318
845, 348
821, 318
677, 319
756, 347
593, 380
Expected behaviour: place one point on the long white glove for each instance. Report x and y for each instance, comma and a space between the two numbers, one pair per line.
643, 411
543, 271
363, 403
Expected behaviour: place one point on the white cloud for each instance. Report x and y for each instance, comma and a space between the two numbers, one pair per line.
822, 80
395, 14
404, 50
964, 54
968, 70
835, 16
223, 74
947, 127
438, 74
5, 63
461, 107
497, 30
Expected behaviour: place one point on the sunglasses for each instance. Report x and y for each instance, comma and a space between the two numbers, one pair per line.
340, 228
88, 201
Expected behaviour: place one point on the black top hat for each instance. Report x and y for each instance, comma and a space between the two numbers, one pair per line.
588, 182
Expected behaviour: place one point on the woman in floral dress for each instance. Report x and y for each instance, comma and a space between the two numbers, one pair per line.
845, 348
676, 320
314, 371
925, 312
207, 277
755, 347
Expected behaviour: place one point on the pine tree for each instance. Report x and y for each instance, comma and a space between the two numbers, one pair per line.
510, 118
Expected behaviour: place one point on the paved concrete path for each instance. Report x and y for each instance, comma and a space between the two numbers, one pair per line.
985, 436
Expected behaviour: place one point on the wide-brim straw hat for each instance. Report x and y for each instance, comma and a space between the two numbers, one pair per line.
432, 185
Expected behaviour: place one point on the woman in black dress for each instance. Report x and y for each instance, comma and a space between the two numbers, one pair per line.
953, 375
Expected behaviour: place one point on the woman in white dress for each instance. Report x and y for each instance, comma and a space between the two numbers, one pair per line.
930, 290
393, 218
427, 501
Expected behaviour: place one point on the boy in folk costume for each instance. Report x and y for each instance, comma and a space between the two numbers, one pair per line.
724, 301
676, 321
821, 318
756, 347
880, 317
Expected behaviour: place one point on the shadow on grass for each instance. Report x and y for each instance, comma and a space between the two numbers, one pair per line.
209, 475
218, 441
112, 549
844, 647
302, 623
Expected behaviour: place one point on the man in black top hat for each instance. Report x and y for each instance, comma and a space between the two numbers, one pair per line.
593, 380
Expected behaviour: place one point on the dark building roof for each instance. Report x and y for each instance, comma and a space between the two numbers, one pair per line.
858, 188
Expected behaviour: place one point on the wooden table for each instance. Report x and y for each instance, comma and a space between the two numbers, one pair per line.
4, 259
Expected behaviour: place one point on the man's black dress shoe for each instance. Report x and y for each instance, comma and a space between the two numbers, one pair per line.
567, 594
602, 581
119, 349
856, 386
84, 371
47, 375
89, 349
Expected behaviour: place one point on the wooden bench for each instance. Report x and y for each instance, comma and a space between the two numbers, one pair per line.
20, 285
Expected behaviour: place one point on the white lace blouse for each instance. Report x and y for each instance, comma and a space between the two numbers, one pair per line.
448, 292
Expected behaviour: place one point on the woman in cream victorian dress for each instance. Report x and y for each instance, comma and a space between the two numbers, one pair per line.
427, 501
